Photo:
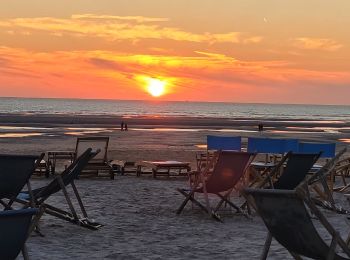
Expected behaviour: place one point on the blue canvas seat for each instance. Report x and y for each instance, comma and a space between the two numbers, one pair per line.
15, 171
327, 149
272, 145
224, 143
14, 230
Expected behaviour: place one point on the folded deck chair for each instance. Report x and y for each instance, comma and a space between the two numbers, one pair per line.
228, 170
15, 172
288, 220
60, 182
100, 161
15, 228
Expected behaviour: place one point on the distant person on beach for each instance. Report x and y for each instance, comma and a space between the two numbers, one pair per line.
122, 126
261, 127
125, 127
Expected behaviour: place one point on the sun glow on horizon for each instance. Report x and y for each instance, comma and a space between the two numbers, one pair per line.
155, 87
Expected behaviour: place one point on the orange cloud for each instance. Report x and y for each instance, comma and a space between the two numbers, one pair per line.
113, 28
317, 44
202, 76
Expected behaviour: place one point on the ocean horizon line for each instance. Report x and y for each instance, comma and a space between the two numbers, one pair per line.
174, 101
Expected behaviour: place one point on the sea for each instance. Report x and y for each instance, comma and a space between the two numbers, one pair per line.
173, 108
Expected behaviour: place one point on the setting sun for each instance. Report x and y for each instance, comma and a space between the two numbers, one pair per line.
156, 87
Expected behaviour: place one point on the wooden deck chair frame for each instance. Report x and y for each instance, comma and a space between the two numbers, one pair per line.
342, 170
96, 164
318, 183
201, 182
60, 182
301, 194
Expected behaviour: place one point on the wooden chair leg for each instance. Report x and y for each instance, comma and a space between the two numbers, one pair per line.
266, 246
332, 247
183, 204
75, 190
70, 204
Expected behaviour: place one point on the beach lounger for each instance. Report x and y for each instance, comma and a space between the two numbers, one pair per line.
15, 172
14, 230
229, 169
288, 220
100, 161
59, 183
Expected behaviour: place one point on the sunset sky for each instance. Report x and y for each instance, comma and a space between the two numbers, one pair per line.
266, 51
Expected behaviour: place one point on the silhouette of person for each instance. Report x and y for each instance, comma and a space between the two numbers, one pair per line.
125, 127
122, 126
261, 127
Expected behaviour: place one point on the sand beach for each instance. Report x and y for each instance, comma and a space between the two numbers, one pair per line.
138, 213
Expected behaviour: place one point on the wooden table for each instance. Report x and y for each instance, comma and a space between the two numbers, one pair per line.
124, 166
53, 156
163, 167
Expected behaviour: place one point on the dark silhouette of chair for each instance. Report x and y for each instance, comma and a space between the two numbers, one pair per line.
100, 161
59, 183
288, 220
14, 230
15, 172
289, 172
229, 169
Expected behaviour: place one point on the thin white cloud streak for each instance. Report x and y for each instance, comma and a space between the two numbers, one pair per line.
114, 28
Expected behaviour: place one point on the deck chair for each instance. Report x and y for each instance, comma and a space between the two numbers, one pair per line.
217, 143
100, 161
59, 183
289, 172
327, 149
292, 168
15, 172
286, 216
15, 228
342, 170
229, 169
318, 183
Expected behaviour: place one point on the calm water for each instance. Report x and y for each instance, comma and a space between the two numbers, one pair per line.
198, 109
